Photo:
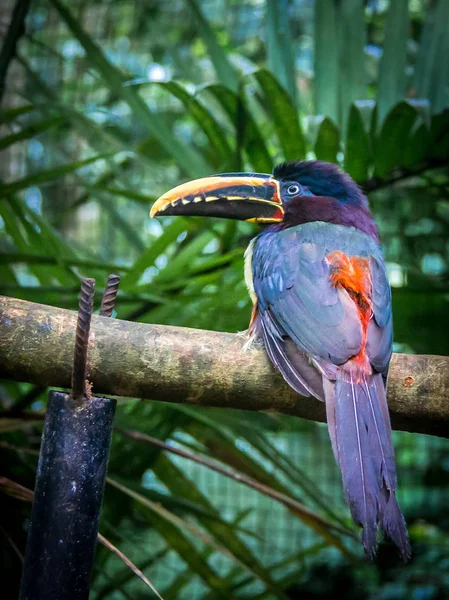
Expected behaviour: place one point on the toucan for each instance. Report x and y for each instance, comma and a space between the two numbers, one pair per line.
322, 309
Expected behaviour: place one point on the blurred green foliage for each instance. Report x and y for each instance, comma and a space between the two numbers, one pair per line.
109, 104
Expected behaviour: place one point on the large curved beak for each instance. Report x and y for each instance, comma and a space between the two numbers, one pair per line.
251, 197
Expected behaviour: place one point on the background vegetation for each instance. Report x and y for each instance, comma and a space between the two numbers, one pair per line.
107, 105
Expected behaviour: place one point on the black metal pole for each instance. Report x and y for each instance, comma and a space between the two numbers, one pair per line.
69, 482
67, 498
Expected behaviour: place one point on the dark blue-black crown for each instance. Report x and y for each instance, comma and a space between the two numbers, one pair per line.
322, 179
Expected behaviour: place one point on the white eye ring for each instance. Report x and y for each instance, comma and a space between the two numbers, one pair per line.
293, 189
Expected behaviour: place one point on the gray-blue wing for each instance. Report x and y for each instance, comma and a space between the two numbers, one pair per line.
297, 300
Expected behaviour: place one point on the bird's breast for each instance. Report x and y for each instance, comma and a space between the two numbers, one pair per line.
248, 273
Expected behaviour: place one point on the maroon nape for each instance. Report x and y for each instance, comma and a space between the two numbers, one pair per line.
306, 209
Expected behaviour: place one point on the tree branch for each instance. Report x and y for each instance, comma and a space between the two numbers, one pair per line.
202, 368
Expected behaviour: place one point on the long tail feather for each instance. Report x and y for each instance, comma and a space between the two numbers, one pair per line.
360, 431
381, 432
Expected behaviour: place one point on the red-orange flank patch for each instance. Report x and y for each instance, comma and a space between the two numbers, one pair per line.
354, 275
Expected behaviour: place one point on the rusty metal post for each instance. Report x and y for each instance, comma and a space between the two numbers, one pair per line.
109, 296
70, 478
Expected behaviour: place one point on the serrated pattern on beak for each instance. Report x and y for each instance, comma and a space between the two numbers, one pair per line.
251, 188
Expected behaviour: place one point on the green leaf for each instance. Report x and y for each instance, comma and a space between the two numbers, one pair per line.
392, 76
280, 47
121, 224
203, 117
431, 78
351, 48
134, 570
216, 262
123, 576
326, 63
31, 232
124, 193
8, 278
178, 483
440, 95
155, 249
35, 259
393, 138
183, 261
12, 224
173, 590
16, 227
187, 158
284, 582
251, 139
169, 526
41, 177
31, 131
374, 120
439, 132
426, 54
225, 71
219, 444
296, 475
358, 153
417, 147
47, 236
99, 137
327, 143
283, 116
11, 114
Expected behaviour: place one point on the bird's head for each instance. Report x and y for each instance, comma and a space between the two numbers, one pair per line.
296, 192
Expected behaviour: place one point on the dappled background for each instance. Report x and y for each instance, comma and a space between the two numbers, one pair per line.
108, 104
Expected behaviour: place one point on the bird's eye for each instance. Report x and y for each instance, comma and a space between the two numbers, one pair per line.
292, 190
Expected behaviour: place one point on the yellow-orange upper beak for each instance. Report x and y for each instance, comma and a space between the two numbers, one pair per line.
246, 196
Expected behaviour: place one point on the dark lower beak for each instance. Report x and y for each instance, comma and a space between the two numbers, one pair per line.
245, 196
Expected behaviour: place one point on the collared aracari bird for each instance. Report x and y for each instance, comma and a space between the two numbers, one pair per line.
322, 308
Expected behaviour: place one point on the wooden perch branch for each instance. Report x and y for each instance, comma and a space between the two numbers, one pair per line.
203, 368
